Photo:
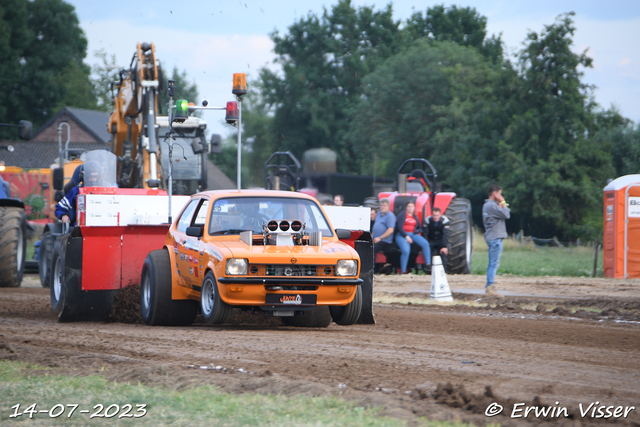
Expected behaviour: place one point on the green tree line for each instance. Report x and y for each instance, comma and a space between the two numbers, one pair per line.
437, 86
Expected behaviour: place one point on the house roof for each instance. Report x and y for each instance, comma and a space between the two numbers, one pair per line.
37, 154
93, 122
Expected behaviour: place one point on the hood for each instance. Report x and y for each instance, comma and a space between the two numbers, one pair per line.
328, 253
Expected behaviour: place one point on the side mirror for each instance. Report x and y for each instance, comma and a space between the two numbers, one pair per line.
343, 233
216, 144
58, 179
25, 129
194, 232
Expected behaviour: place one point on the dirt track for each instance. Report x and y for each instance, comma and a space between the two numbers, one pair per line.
529, 347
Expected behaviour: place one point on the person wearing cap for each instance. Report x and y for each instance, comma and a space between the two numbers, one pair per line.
495, 212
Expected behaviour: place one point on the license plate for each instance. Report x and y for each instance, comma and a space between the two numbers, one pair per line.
292, 299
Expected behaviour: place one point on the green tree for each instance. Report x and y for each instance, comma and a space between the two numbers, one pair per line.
42, 48
553, 169
464, 26
14, 37
324, 60
54, 74
105, 73
184, 89
449, 112
534, 129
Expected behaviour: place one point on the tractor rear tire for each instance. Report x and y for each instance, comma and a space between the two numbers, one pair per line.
68, 301
460, 236
65, 286
214, 310
319, 317
44, 261
13, 246
348, 314
155, 294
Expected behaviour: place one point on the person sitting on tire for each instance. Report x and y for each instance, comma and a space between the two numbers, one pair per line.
408, 231
66, 208
436, 228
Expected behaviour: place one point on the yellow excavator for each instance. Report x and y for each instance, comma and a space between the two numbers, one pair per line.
138, 132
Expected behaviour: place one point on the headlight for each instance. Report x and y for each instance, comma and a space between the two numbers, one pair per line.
347, 267
236, 266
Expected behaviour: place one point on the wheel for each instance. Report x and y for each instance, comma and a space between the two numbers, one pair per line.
319, 317
214, 310
68, 301
64, 284
460, 236
348, 314
44, 261
13, 245
155, 294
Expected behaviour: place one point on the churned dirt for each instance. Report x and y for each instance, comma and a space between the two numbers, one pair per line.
551, 342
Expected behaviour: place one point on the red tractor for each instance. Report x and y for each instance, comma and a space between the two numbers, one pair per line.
417, 182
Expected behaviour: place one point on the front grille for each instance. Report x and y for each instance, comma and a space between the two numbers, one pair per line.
290, 270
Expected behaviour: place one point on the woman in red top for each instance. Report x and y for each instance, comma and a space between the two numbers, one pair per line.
408, 230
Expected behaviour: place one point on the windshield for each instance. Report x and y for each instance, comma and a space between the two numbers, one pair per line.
100, 169
237, 214
186, 164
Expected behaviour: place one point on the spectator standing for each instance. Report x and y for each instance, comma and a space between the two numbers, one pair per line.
436, 230
408, 230
495, 212
338, 200
383, 228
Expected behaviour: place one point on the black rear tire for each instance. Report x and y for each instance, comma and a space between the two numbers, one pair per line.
13, 246
214, 310
460, 236
44, 261
348, 314
155, 294
65, 286
319, 317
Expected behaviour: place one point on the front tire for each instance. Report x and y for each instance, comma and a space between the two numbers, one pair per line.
348, 314
214, 310
460, 236
155, 294
13, 246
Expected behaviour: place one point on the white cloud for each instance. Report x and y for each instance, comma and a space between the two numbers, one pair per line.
610, 43
209, 59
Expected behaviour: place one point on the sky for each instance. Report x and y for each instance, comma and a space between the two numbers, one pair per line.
213, 39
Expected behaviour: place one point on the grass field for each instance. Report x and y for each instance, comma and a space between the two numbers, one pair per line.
529, 260
21, 384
